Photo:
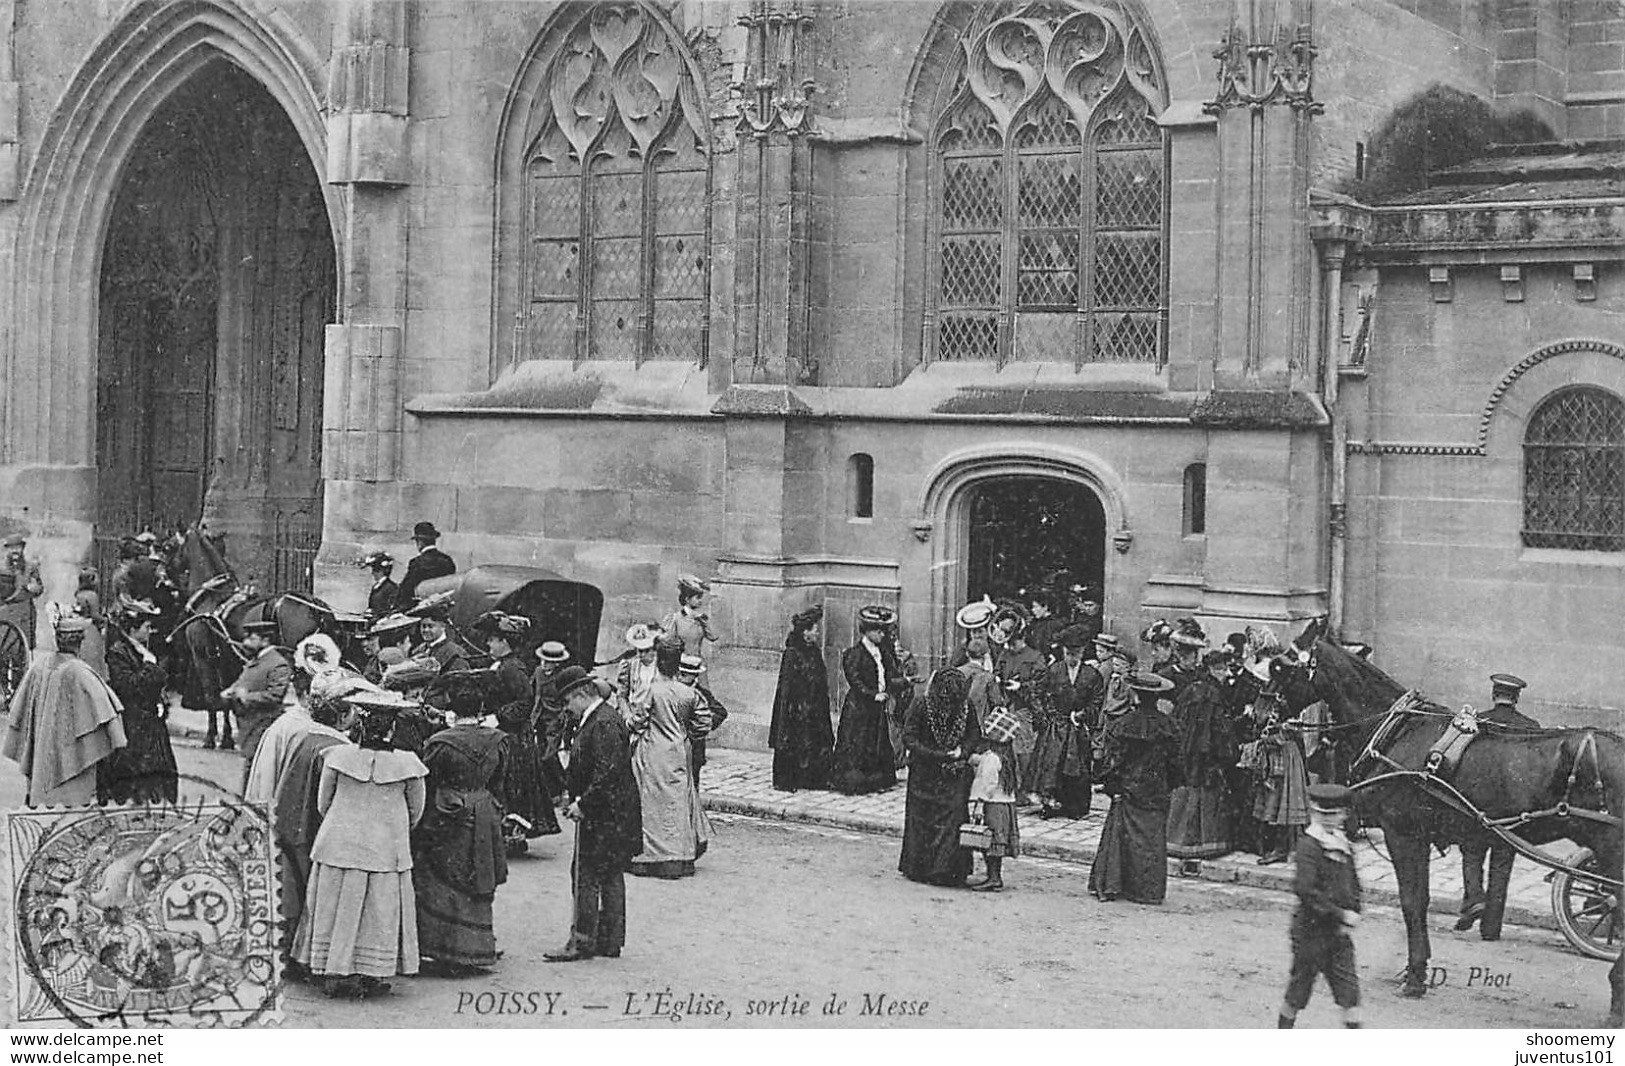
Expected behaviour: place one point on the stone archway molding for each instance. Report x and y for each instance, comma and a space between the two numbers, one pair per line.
1486, 419
942, 519
50, 352
949, 478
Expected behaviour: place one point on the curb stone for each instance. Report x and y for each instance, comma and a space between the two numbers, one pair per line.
1277, 879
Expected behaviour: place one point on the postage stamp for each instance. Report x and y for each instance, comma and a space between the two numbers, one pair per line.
143, 915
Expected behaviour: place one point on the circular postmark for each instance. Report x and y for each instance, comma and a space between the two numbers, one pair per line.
147, 915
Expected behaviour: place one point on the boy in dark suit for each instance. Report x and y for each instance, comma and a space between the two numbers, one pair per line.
1328, 889
608, 813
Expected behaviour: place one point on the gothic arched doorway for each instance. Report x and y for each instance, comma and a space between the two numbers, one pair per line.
1031, 532
217, 283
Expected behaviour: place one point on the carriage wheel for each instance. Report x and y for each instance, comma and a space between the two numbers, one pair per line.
1587, 910
13, 661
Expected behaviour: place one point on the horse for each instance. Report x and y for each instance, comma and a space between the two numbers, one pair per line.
206, 643
1551, 784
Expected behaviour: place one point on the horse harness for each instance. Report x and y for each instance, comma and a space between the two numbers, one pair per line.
1444, 757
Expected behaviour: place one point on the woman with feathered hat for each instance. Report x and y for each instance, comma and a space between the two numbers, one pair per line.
459, 848
143, 771
530, 807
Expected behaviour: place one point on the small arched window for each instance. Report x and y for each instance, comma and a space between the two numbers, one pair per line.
860, 485
1195, 521
1574, 472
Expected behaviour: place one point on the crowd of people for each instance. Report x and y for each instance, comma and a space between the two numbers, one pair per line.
1038, 710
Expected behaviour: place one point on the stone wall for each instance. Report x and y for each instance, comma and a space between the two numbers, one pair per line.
1439, 579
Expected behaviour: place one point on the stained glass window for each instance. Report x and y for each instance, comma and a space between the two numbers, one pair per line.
618, 264
1048, 178
1574, 472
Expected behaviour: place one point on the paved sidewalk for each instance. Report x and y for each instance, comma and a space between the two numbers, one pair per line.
741, 782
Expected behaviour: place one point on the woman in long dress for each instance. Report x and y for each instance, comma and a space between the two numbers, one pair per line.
800, 733
675, 830
143, 771
360, 920
940, 733
864, 760
530, 807
458, 846
1139, 766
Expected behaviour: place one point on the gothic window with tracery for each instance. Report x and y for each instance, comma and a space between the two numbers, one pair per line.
1574, 472
1048, 184
617, 184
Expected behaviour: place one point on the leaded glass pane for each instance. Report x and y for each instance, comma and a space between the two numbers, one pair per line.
550, 331
615, 267
1047, 269
678, 328
1050, 190
1128, 270
617, 203
972, 193
555, 204
1128, 190
1048, 124
1126, 338
1574, 472
680, 266
1046, 336
1126, 120
554, 266
680, 201
614, 329
971, 270
964, 335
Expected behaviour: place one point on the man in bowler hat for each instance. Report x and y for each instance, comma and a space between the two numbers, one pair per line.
429, 562
604, 804
1476, 904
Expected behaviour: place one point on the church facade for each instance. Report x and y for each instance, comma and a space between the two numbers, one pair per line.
845, 303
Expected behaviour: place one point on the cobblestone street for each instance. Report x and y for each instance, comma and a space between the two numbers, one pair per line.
788, 913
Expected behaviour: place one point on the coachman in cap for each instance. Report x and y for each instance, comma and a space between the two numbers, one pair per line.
256, 696
429, 562
1328, 890
1477, 904
20, 584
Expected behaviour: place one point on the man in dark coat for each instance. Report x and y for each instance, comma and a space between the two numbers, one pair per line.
256, 696
1061, 760
605, 806
1476, 904
429, 562
384, 594
1328, 890
1199, 816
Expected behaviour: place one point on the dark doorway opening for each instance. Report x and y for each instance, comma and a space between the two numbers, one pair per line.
217, 284
1034, 532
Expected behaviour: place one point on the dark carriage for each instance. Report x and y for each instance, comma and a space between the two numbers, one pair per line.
558, 608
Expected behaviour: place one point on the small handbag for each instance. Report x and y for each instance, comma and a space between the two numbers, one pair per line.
976, 834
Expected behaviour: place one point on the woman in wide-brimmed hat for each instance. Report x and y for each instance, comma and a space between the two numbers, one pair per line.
800, 734
360, 919
1139, 767
941, 732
